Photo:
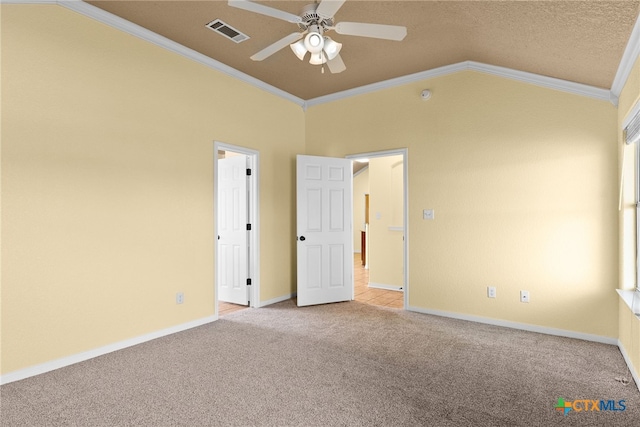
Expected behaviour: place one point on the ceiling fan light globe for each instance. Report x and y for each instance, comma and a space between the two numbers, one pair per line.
318, 58
331, 48
299, 49
314, 42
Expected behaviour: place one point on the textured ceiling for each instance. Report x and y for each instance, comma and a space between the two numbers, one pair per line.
578, 41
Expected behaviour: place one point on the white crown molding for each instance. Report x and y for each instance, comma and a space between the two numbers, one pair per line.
135, 30
364, 168
86, 355
522, 76
629, 57
147, 35
544, 81
398, 81
631, 53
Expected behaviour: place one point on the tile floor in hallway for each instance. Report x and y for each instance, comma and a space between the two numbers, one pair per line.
373, 296
362, 292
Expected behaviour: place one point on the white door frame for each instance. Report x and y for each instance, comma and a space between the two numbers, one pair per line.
254, 220
404, 152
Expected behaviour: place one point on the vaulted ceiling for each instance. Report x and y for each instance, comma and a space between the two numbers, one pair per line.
577, 41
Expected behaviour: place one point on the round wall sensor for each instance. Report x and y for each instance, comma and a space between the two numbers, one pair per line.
426, 94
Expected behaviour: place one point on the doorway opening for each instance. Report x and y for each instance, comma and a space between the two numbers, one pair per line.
381, 228
237, 260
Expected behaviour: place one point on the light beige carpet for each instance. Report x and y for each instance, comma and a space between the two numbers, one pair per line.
345, 364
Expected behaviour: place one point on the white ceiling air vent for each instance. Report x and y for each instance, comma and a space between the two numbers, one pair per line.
227, 30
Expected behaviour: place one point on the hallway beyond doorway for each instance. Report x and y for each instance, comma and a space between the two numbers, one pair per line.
372, 296
225, 308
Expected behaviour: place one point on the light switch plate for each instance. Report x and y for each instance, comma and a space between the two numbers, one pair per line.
428, 214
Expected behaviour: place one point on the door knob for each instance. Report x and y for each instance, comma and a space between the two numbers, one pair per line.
302, 238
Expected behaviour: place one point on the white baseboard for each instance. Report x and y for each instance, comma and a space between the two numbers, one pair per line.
627, 359
86, 355
277, 300
516, 325
538, 329
384, 286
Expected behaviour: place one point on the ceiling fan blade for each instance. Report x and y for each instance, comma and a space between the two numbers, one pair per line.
265, 10
328, 8
336, 65
280, 44
378, 31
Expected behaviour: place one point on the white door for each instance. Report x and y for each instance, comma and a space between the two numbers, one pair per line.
232, 229
324, 229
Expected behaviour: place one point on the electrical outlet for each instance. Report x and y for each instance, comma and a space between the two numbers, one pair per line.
179, 297
524, 296
491, 291
428, 214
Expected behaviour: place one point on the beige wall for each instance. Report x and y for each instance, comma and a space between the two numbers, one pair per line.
385, 206
523, 182
107, 189
107, 184
629, 325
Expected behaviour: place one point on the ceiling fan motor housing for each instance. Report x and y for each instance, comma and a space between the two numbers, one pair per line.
310, 17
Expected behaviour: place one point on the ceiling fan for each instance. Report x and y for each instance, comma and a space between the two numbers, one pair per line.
314, 20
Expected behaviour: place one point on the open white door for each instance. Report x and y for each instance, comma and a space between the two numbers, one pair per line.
325, 241
232, 229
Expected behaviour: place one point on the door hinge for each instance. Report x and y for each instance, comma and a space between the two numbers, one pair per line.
248, 172
248, 227
248, 282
